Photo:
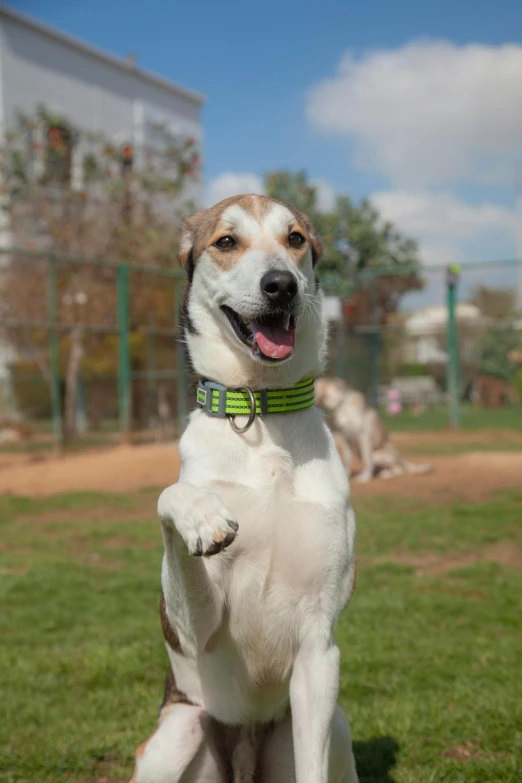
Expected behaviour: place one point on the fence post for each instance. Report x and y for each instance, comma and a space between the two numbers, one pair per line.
81, 414
181, 370
151, 375
375, 345
452, 277
54, 355
124, 379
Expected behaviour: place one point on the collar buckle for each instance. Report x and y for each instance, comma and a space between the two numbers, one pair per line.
206, 398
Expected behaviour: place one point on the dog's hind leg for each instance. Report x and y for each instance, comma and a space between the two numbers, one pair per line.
366, 451
387, 462
418, 470
181, 750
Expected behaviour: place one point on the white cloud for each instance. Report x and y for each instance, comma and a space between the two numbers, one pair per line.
429, 112
445, 226
442, 214
439, 252
325, 195
230, 184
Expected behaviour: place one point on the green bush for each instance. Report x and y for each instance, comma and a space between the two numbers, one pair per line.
494, 347
518, 384
31, 392
413, 370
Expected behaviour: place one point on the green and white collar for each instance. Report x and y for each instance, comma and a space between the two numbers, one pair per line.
218, 400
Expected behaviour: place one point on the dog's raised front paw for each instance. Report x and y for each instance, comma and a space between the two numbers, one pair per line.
203, 521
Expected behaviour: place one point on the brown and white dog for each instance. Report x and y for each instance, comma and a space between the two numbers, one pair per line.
358, 427
259, 530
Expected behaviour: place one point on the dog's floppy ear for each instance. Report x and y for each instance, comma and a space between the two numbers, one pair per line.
189, 228
317, 247
315, 242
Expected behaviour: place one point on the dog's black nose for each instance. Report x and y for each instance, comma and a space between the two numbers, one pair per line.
279, 287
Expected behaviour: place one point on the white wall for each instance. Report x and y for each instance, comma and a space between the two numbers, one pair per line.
39, 67
93, 93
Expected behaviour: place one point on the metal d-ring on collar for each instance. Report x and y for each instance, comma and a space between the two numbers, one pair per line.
251, 415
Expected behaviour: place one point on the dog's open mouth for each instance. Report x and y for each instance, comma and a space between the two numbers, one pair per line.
271, 337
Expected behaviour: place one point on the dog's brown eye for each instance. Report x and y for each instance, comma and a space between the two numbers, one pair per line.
225, 243
295, 239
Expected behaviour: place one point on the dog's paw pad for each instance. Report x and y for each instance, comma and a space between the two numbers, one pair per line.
220, 536
207, 527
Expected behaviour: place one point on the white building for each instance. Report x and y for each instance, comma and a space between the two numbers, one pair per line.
93, 90
426, 328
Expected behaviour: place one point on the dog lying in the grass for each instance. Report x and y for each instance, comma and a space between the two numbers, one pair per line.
359, 428
259, 530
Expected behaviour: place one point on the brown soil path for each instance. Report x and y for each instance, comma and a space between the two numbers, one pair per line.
472, 476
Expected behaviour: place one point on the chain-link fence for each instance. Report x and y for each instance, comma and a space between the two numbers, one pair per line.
455, 340
91, 351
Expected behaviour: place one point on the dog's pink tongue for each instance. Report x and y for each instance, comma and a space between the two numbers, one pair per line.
273, 339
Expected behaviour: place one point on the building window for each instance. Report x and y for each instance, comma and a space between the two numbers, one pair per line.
59, 154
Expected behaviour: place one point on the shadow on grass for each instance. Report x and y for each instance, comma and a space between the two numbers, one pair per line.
375, 758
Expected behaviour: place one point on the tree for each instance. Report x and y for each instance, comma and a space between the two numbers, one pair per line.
68, 190
294, 188
498, 349
500, 344
355, 240
494, 302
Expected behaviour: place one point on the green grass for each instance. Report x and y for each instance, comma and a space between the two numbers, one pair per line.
472, 418
431, 672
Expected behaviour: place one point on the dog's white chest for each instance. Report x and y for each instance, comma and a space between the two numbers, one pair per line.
291, 562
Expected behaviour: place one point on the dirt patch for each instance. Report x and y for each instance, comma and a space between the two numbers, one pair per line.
434, 564
104, 774
20, 550
95, 560
105, 779
8, 570
466, 752
469, 751
122, 469
471, 477
505, 553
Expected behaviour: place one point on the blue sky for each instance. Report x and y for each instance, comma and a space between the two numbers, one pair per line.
415, 104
